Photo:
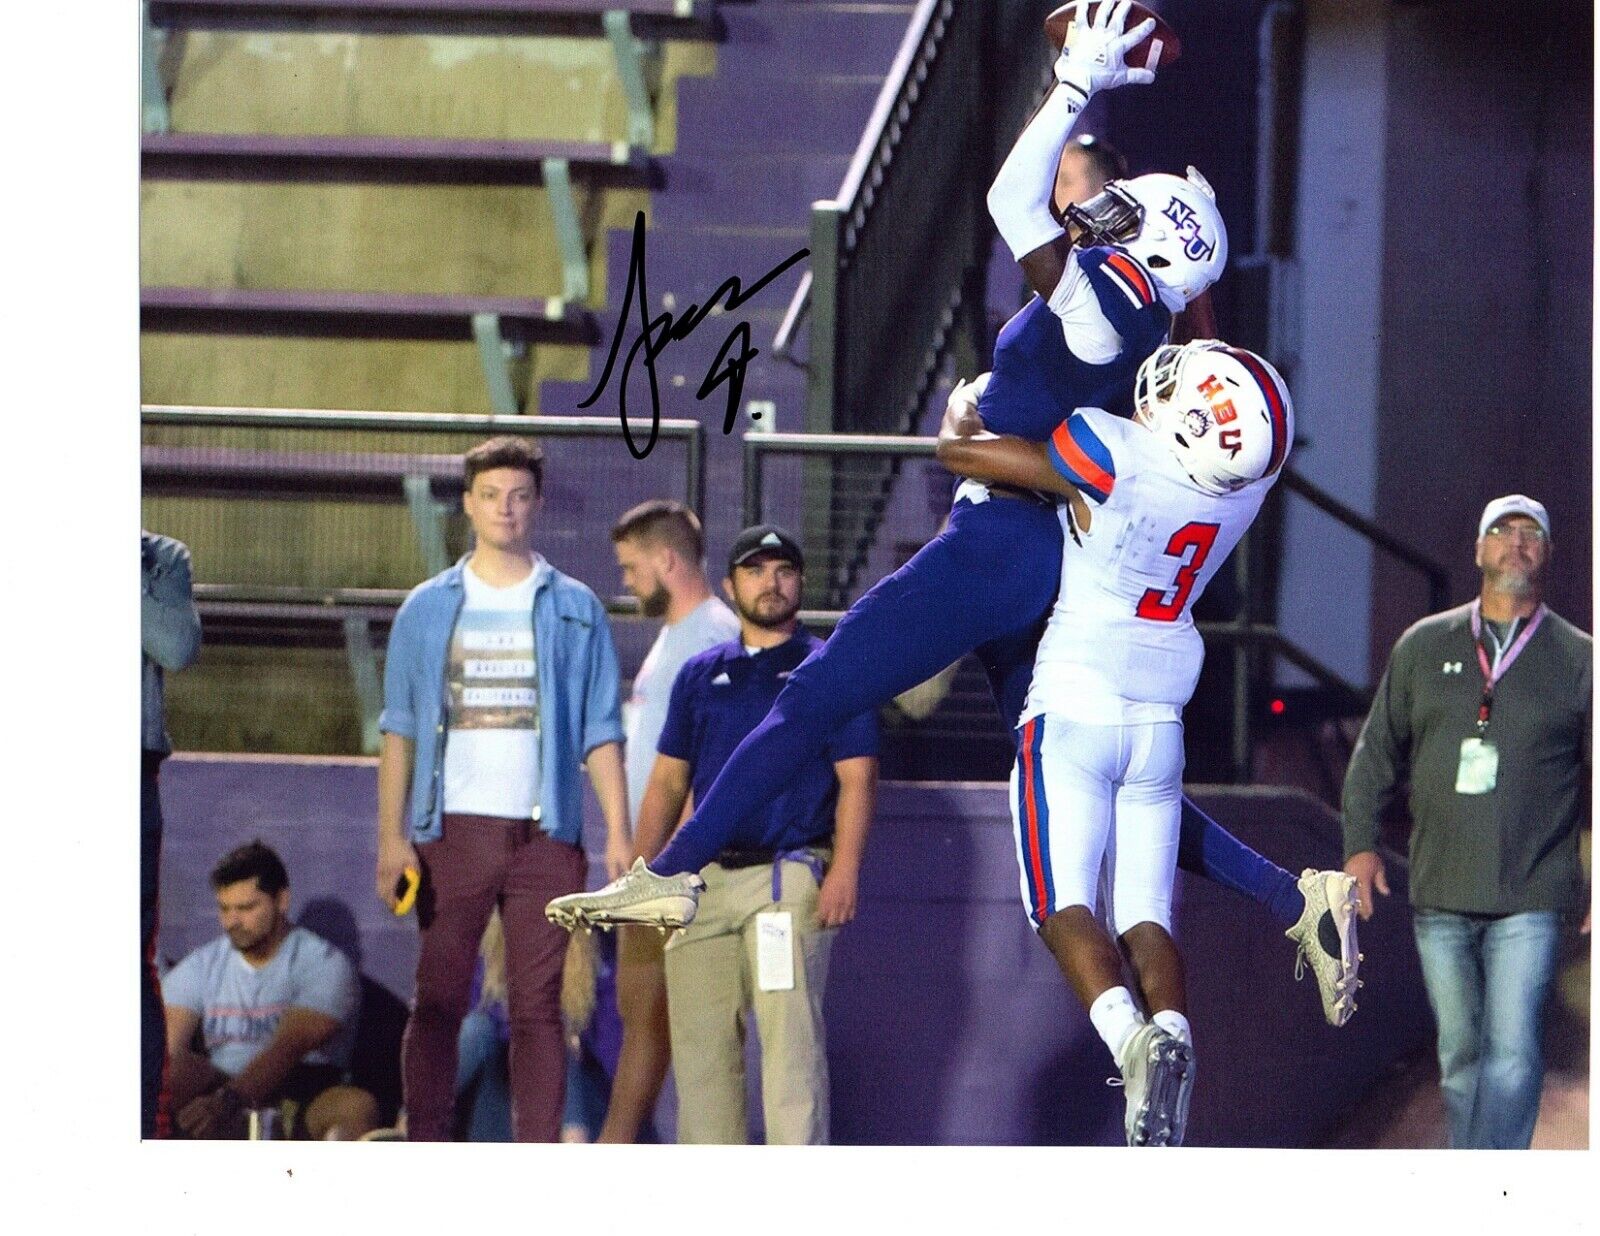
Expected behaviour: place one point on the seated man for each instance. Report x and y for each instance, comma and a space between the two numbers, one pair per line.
276, 1006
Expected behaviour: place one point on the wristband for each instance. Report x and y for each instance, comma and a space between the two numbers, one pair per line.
1074, 84
1073, 74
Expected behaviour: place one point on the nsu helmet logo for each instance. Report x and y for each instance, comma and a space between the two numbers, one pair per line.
1195, 246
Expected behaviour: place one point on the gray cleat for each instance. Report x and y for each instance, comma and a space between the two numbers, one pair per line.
1326, 936
1158, 1080
639, 895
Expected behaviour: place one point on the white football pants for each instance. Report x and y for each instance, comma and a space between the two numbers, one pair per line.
1082, 792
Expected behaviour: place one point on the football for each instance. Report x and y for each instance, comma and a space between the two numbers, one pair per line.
1058, 27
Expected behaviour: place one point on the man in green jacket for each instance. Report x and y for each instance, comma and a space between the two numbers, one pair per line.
1485, 708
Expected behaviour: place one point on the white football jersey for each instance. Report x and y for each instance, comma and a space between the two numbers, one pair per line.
1121, 646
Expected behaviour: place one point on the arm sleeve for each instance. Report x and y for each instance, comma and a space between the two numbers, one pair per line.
1381, 757
1019, 199
857, 737
677, 731
602, 708
169, 626
399, 715
1083, 456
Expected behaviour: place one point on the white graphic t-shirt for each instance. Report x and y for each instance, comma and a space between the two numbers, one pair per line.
491, 763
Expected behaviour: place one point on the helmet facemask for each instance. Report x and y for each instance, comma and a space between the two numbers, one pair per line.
1155, 384
1111, 217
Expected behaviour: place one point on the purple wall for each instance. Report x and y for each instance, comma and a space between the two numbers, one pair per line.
948, 1022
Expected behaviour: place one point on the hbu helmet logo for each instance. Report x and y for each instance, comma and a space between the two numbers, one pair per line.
1195, 246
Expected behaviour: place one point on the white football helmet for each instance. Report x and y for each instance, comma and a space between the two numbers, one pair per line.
1169, 223
1223, 411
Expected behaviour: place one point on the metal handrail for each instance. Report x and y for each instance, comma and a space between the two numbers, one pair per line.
895, 446
799, 309
691, 433
868, 147
878, 138
1437, 574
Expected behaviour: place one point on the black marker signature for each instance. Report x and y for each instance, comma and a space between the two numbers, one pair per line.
664, 328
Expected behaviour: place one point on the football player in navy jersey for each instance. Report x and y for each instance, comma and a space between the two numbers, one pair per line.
1108, 277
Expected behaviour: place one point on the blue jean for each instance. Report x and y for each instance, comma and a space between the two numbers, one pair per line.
483, 1079
1488, 981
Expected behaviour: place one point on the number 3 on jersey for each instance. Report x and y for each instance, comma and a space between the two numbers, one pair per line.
1190, 544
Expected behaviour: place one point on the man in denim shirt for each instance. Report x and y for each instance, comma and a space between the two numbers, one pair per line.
169, 634
500, 680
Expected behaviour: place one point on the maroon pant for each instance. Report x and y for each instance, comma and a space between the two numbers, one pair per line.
482, 861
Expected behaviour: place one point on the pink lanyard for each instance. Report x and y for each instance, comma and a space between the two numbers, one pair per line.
1492, 677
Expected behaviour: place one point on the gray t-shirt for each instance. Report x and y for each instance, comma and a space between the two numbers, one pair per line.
240, 1006
710, 623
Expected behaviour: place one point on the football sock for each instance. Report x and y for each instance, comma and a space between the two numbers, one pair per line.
1207, 849
1175, 1024
1115, 1017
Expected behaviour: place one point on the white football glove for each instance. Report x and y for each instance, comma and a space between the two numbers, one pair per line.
1095, 56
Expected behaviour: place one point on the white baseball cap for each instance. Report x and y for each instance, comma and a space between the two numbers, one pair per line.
1514, 504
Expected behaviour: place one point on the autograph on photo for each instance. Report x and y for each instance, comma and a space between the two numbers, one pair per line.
657, 332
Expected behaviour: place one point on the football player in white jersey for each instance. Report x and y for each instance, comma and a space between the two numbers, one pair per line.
1154, 507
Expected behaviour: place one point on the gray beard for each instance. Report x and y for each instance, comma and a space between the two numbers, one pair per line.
1517, 584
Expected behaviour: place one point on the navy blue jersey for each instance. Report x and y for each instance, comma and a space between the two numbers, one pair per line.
1036, 382
721, 695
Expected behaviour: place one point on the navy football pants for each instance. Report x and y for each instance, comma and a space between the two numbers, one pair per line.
984, 585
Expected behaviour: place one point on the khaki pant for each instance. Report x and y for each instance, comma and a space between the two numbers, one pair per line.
712, 982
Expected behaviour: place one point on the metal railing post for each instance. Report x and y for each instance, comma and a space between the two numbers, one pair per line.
364, 677
752, 480
155, 114
1241, 660
827, 219
694, 484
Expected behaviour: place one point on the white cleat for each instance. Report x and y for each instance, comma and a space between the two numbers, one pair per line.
1326, 936
639, 895
1158, 1080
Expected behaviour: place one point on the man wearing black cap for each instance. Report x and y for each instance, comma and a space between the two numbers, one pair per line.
784, 881
1485, 710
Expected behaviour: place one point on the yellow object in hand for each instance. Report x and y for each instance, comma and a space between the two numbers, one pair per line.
405, 890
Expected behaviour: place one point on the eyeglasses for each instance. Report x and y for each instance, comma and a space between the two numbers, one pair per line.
1531, 534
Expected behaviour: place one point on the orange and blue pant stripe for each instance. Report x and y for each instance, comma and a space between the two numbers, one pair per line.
1033, 817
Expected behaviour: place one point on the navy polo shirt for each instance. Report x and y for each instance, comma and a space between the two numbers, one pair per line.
721, 695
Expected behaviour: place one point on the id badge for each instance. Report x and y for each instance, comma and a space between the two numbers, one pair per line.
775, 950
1479, 764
